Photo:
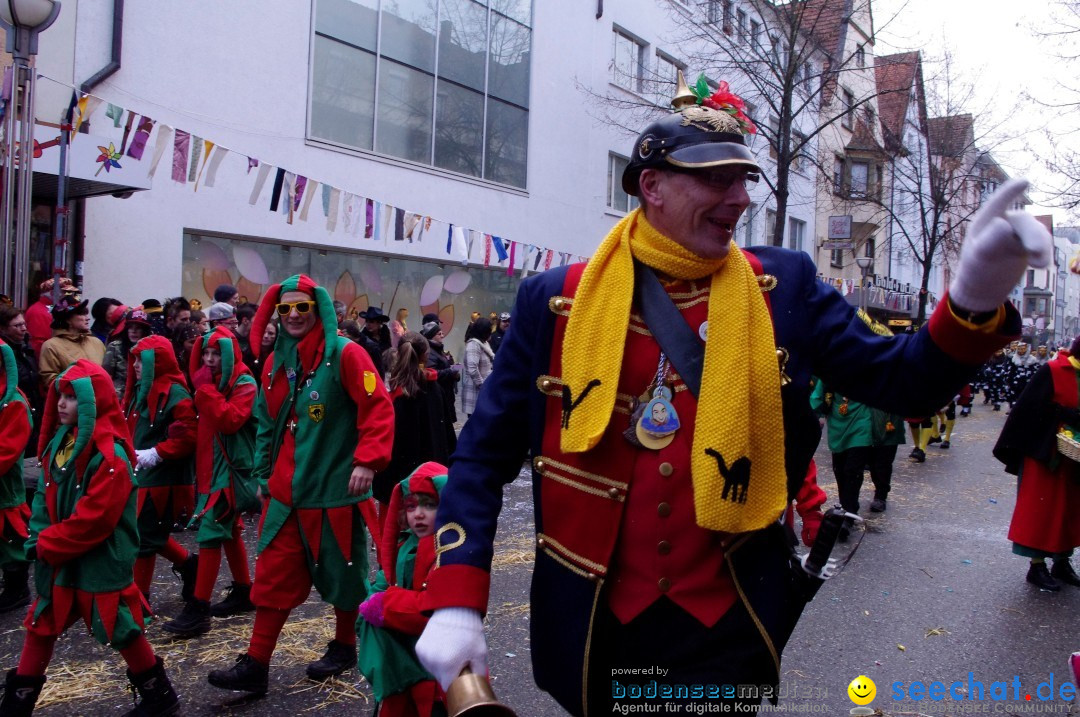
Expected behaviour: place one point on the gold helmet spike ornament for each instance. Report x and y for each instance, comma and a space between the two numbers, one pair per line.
683, 96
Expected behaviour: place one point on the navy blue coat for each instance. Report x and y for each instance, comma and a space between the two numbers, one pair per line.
908, 374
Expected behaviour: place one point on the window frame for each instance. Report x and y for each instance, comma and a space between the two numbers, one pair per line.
847, 119
638, 78
796, 239
614, 182
494, 167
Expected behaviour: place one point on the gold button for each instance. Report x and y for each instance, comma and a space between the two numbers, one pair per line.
539, 542
663, 547
664, 584
613, 493
666, 469
546, 384
663, 510
539, 465
559, 304
593, 577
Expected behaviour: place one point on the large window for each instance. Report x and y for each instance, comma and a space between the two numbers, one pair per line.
617, 199
796, 234
859, 179
438, 82
627, 62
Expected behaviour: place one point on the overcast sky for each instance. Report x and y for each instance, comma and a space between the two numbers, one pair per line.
993, 43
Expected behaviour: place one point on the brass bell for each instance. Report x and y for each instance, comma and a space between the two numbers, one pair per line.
470, 695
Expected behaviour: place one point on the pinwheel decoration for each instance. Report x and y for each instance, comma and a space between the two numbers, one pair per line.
108, 158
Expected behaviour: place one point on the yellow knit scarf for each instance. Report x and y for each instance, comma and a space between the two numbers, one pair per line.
739, 428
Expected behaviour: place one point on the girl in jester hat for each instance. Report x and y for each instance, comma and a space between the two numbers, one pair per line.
83, 539
325, 426
224, 395
391, 619
15, 429
161, 418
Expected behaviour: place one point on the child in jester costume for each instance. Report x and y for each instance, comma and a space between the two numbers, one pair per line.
325, 425
15, 429
392, 619
224, 395
83, 538
161, 418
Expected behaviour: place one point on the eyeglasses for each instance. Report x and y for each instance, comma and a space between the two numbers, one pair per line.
302, 307
721, 178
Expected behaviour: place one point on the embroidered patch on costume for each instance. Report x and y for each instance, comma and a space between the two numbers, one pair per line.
316, 412
369, 382
569, 403
735, 477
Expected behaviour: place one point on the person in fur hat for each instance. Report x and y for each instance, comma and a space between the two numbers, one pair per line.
224, 395
15, 429
325, 426
392, 618
83, 540
161, 418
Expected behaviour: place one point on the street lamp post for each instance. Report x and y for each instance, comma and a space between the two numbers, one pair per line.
22, 20
864, 263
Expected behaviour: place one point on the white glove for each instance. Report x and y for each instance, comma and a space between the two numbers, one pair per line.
147, 458
1000, 245
453, 638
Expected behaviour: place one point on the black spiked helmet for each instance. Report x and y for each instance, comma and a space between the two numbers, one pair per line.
704, 131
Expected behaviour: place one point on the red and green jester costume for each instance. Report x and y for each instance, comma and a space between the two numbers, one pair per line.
162, 424
322, 411
392, 619
84, 539
224, 487
15, 428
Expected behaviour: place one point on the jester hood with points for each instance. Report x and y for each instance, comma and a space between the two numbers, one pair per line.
286, 347
232, 364
429, 479
160, 372
83, 528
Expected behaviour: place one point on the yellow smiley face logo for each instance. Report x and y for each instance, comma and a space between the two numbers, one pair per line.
862, 690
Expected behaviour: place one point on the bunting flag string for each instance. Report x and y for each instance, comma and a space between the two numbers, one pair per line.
197, 160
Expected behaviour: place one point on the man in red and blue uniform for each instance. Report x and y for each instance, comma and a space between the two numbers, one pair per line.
641, 560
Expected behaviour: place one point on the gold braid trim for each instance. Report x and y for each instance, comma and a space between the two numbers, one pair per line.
440, 548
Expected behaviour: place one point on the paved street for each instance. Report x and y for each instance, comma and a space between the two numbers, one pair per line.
932, 594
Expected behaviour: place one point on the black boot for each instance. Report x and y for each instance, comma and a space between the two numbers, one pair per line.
877, 505
237, 601
1040, 577
1063, 571
16, 592
247, 675
187, 571
192, 622
918, 455
20, 694
338, 658
157, 693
